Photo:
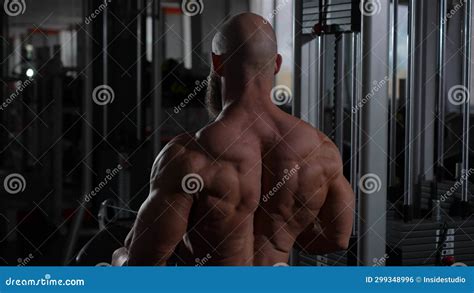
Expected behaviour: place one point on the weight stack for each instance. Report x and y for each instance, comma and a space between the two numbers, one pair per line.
416, 243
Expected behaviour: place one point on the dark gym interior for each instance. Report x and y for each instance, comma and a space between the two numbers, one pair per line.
93, 90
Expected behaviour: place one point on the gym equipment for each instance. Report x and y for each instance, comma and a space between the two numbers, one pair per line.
466, 106
331, 46
427, 243
101, 247
330, 17
125, 126
420, 216
110, 212
113, 229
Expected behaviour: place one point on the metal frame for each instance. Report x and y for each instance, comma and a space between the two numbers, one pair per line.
441, 84
297, 45
321, 82
88, 137
393, 100
139, 89
374, 139
58, 171
156, 76
466, 80
314, 83
409, 107
440, 104
187, 42
297, 91
105, 67
340, 87
355, 123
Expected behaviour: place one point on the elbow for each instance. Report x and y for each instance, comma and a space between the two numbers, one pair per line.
327, 245
341, 243
332, 246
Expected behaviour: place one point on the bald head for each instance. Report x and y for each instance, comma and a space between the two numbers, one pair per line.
246, 40
244, 56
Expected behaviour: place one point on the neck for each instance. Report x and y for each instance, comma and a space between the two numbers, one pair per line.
253, 94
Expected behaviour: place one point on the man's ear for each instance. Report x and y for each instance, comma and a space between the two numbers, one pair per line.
278, 61
217, 64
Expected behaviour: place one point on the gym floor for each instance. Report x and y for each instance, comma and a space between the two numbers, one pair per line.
92, 91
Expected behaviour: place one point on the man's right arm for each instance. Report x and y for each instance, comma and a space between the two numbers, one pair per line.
332, 228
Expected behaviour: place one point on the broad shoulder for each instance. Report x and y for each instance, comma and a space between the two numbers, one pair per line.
315, 149
179, 157
326, 156
305, 139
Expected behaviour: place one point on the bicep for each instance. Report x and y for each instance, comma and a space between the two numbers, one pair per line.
160, 225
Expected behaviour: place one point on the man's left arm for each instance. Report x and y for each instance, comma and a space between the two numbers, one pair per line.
161, 222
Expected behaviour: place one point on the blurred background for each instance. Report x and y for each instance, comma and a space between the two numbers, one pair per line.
61, 143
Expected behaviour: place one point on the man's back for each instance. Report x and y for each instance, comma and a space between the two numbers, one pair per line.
265, 177
251, 185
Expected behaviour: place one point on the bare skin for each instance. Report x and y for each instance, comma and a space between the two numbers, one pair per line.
268, 178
